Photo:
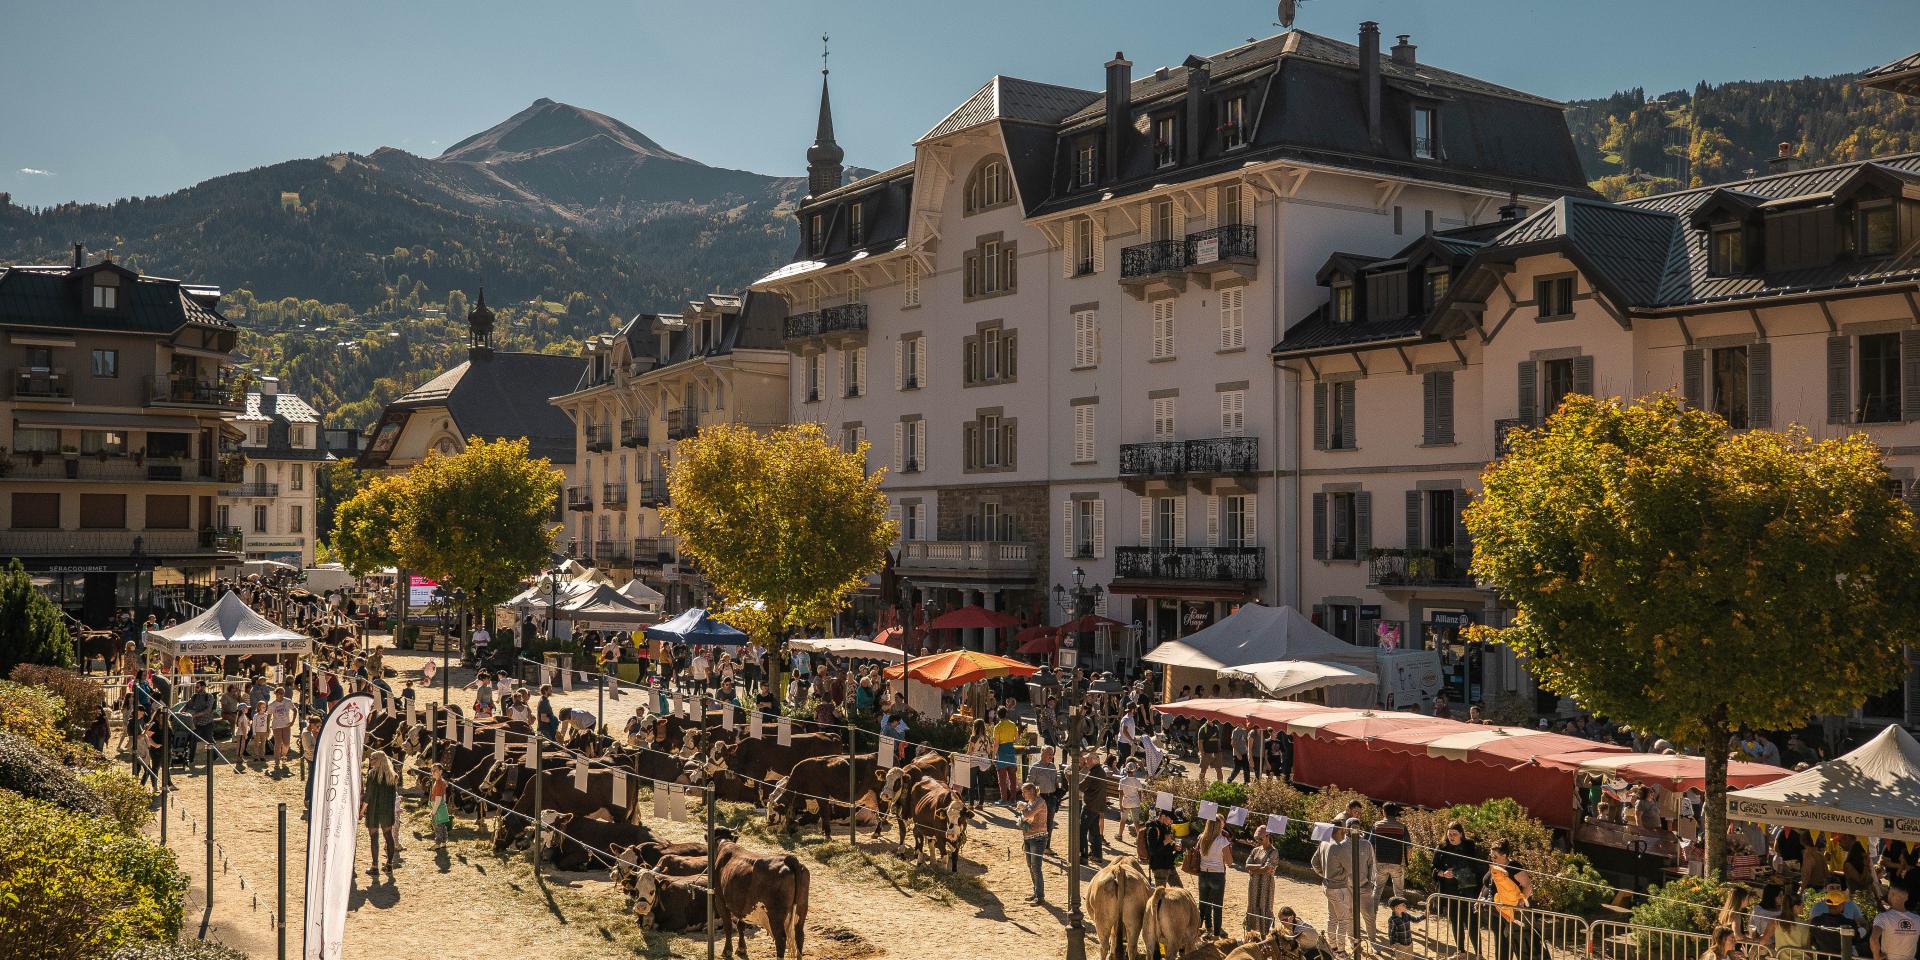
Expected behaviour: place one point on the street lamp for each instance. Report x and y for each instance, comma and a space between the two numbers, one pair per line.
1079, 602
1076, 926
905, 587
446, 651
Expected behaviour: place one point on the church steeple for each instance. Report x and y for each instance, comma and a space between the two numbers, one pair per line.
824, 171
480, 329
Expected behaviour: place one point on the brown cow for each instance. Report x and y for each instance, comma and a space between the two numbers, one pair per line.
628, 859
817, 777
557, 793
1171, 924
940, 813
581, 842
668, 903
901, 787
778, 884
1117, 902
766, 759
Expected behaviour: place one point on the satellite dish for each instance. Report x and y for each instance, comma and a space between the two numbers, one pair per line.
1289, 9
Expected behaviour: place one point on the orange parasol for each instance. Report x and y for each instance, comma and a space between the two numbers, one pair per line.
958, 667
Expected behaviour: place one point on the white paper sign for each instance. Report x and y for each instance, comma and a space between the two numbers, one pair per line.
580, 775
1163, 801
622, 790
466, 735
753, 726
499, 745
1276, 825
1322, 832
413, 710
726, 717
453, 726
886, 753
785, 732
1237, 817
659, 801
613, 690
1209, 809
962, 771
677, 804
690, 706
526, 758
566, 680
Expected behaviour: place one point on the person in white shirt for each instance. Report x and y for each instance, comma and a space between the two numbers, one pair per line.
1896, 932
697, 670
481, 640
1126, 737
1131, 812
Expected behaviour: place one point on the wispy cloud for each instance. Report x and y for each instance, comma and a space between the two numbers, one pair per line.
36, 172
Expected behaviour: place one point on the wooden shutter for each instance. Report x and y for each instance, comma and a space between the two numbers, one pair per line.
1344, 392
1839, 365
1429, 408
970, 442
1069, 248
1213, 207
1249, 518
1693, 378
860, 369
1213, 521
1413, 519
899, 530
1320, 415
1179, 220
1246, 206
1910, 374
1179, 521
920, 361
1009, 356
1529, 392
1010, 256
1319, 526
971, 263
1583, 376
1760, 385
899, 446
1099, 244
1066, 518
1462, 544
1146, 521
1099, 529
899, 364
1362, 524
970, 360
1443, 406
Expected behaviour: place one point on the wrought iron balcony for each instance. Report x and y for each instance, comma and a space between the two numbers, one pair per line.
1501, 428
1397, 567
92, 466
843, 318
1229, 243
1191, 563
190, 391
42, 384
653, 492
652, 551
969, 556
252, 490
633, 433
1147, 260
1214, 456
116, 543
682, 423
617, 552
613, 494
579, 498
599, 439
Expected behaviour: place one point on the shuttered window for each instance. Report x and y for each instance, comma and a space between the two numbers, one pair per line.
1163, 329
1163, 418
1084, 450
1086, 339
1436, 394
36, 511
165, 511
106, 511
1233, 318
910, 285
1233, 413
1333, 407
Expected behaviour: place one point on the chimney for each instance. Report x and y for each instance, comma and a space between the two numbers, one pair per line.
1198, 77
1513, 210
268, 386
1370, 76
1403, 52
1784, 161
1119, 106
79, 255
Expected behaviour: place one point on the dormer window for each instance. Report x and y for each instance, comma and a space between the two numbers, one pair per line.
1086, 163
1343, 303
816, 233
1166, 145
1879, 231
1438, 281
106, 291
1233, 123
1729, 251
856, 225
1426, 145
989, 186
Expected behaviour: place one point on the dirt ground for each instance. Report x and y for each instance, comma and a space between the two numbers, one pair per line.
867, 901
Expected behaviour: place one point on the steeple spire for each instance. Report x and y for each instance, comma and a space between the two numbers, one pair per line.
824, 170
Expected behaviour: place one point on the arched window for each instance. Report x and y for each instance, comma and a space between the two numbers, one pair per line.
260, 474
989, 185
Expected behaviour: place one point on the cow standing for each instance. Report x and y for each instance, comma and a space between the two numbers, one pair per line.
777, 884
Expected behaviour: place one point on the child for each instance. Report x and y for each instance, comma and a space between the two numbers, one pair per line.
437, 802
262, 729
1131, 811
1400, 924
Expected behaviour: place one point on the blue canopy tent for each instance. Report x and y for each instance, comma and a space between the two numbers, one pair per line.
697, 627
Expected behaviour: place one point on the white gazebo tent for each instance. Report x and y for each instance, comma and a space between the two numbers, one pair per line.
229, 628
1872, 792
1290, 678
849, 647
603, 606
1257, 634
643, 595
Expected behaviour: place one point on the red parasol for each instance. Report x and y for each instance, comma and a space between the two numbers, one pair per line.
1041, 640
973, 617
1088, 624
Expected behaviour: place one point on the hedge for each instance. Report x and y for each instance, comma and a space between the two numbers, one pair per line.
30, 772
73, 885
83, 697
180, 950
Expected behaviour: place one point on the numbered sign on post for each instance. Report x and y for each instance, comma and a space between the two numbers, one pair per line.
499, 746
580, 775
526, 759
677, 804
886, 753
466, 735
622, 790
753, 726
659, 800
566, 680
785, 731
962, 771
453, 726
726, 717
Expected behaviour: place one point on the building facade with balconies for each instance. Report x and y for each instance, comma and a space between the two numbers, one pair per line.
273, 505
658, 381
1784, 299
1055, 304
115, 440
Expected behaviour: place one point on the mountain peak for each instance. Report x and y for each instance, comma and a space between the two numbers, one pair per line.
547, 125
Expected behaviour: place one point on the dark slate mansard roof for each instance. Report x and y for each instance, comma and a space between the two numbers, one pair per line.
46, 296
749, 321
504, 395
1319, 333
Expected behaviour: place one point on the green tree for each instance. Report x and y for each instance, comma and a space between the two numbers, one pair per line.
1683, 578
337, 483
364, 526
783, 520
31, 630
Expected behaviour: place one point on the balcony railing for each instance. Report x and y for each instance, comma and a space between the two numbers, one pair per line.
613, 494
682, 423
253, 490
114, 543
599, 439
969, 556
170, 389
618, 552
1501, 427
42, 384
120, 468
1191, 563
844, 318
1398, 567
579, 498
653, 551
1153, 258
633, 433
1227, 243
653, 492
1214, 456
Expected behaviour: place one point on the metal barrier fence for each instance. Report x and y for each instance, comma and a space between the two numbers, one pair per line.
1487, 931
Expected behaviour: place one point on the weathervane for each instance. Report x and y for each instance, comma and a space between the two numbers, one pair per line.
823, 54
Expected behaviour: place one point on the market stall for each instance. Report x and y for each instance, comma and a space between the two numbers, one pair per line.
698, 627
1872, 792
229, 628
603, 607
1256, 634
1283, 679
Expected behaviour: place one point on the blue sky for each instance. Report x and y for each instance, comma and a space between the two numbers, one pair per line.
113, 98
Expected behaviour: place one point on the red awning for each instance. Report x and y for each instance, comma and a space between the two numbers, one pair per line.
1665, 770
974, 617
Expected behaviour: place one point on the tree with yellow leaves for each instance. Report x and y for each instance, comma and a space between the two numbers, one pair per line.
1684, 578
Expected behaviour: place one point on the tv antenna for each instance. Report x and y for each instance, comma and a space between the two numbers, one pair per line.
1289, 10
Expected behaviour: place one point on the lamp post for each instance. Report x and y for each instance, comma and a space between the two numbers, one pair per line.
1079, 602
1076, 926
906, 655
446, 651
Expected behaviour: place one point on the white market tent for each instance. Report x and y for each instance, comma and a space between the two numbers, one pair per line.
229, 628
602, 604
1872, 792
863, 649
1256, 634
1286, 678
643, 595
539, 594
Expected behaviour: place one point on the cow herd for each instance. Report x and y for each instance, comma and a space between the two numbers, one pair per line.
1133, 918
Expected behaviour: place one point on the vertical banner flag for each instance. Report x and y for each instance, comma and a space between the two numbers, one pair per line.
335, 789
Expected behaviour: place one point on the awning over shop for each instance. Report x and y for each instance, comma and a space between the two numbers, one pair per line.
1662, 769
1260, 634
229, 628
1872, 792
